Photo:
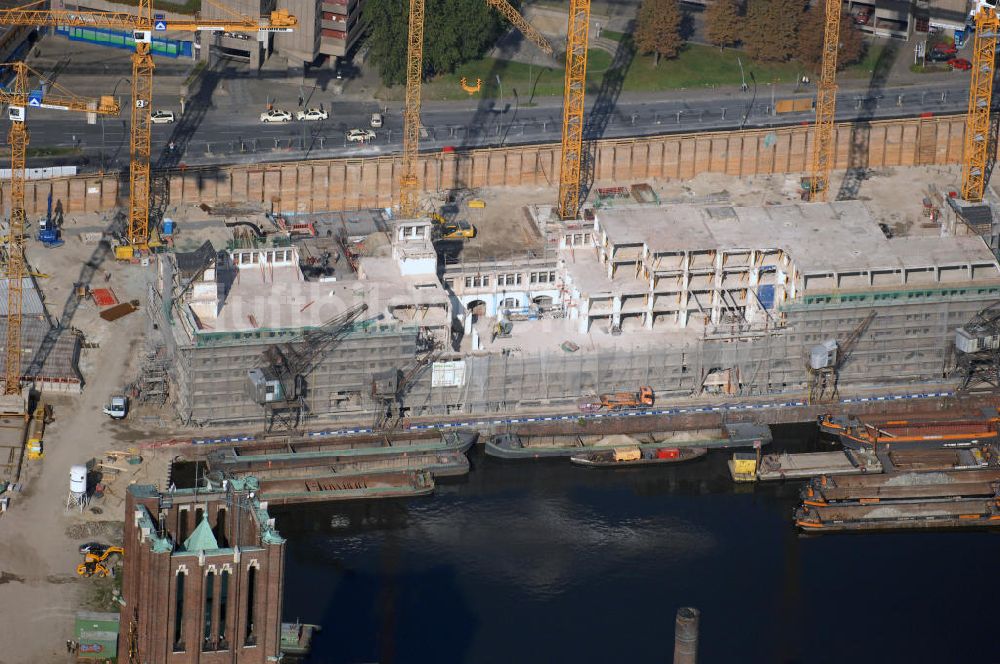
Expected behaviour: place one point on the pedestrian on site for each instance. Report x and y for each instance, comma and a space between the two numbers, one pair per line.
301, 101
69, 646
107, 277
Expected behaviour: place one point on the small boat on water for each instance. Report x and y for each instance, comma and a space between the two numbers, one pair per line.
296, 638
855, 433
620, 457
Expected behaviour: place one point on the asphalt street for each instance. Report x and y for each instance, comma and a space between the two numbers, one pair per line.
221, 122
223, 136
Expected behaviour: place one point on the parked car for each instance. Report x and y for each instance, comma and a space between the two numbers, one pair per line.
944, 48
118, 407
276, 115
161, 117
960, 64
312, 114
939, 56
376, 121
360, 135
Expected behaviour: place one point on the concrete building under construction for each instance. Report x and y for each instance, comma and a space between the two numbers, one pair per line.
689, 299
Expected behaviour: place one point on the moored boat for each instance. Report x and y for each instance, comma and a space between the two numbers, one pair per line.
855, 433
356, 487
637, 456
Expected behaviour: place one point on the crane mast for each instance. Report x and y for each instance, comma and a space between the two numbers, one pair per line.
141, 25
574, 90
409, 183
16, 100
977, 121
824, 149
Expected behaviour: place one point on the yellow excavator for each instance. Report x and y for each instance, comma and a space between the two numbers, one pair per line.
94, 563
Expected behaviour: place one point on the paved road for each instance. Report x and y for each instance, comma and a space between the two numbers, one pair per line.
224, 135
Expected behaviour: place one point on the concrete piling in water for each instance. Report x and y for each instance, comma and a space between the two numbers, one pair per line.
686, 635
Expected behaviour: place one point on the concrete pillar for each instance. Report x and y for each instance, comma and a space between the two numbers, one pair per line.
686, 636
205, 40
583, 325
467, 320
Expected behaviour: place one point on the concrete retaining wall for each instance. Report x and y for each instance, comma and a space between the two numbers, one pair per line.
354, 183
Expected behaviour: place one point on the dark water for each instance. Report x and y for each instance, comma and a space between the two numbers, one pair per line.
542, 561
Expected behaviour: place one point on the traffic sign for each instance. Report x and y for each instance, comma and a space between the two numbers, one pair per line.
35, 101
160, 26
35, 97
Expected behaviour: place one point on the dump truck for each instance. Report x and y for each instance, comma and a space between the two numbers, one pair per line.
618, 400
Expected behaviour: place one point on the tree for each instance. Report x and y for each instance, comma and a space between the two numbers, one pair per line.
724, 22
455, 31
658, 28
809, 49
770, 29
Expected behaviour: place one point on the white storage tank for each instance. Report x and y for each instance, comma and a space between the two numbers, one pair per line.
78, 479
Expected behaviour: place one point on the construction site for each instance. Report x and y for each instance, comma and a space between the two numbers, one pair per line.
762, 268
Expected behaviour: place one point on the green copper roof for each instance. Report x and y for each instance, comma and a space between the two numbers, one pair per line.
202, 539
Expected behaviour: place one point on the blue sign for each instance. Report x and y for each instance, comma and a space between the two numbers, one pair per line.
35, 98
160, 26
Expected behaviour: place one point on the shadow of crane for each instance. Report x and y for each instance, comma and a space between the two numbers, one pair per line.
183, 131
857, 158
87, 272
603, 110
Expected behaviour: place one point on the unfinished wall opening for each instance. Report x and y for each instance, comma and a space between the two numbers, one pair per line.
251, 635
223, 609
209, 601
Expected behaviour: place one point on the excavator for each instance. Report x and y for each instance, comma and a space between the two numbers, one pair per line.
94, 563
619, 400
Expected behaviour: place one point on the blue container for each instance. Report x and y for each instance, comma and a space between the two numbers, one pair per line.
766, 295
168, 226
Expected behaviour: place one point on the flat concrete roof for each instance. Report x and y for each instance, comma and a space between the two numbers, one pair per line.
820, 238
279, 298
590, 277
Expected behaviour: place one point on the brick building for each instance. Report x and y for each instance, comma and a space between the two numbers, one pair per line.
203, 577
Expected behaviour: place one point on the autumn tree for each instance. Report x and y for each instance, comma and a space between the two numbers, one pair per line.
770, 29
658, 29
809, 48
455, 31
724, 23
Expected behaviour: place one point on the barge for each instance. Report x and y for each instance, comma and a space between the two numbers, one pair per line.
960, 513
855, 433
637, 456
440, 464
305, 452
516, 446
360, 487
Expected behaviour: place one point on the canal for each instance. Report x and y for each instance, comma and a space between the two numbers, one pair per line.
544, 561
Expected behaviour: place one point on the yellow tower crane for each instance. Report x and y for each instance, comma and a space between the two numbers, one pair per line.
977, 122
142, 26
824, 150
18, 101
574, 89
409, 183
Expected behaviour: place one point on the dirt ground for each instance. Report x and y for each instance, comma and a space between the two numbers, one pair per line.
39, 589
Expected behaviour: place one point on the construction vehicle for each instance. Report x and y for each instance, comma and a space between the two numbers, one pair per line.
619, 400
458, 230
141, 26
279, 385
118, 407
389, 389
36, 431
96, 564
48, 234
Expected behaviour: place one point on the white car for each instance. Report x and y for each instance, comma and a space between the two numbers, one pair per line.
118, 408
360, 135
312, 114
161, 117
376, 120
276, 115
